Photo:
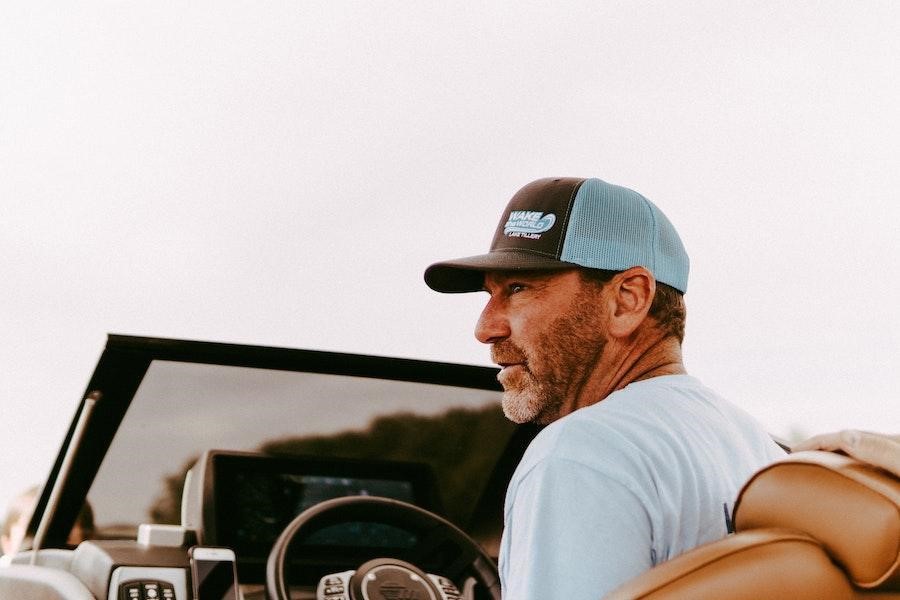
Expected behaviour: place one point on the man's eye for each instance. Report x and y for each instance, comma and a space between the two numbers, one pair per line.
516, 287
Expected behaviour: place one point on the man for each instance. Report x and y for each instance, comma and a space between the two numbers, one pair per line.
639, 462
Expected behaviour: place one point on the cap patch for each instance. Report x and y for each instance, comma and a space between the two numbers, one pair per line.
530, 224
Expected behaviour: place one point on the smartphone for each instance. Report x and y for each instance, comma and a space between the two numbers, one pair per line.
213, 573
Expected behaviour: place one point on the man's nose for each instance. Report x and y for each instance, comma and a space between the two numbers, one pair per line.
492, 326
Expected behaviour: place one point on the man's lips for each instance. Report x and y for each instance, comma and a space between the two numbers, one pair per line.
508, 367
508, 358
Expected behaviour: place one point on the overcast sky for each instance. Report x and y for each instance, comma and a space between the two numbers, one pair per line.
280, 173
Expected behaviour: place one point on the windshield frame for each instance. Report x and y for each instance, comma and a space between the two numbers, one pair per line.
125, 361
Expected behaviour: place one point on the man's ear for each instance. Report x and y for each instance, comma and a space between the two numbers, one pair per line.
631, 295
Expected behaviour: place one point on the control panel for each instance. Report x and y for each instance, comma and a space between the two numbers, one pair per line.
148, 583
146, 590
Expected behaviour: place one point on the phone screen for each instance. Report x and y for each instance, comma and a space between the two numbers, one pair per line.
214, 580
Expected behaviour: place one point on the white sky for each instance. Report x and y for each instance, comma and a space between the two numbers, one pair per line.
280, 173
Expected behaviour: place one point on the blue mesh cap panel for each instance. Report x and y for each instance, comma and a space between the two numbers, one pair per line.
615, 228
672, 262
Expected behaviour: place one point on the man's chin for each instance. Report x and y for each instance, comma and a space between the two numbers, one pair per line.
519, 408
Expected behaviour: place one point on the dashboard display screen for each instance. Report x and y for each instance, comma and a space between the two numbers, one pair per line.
257, 497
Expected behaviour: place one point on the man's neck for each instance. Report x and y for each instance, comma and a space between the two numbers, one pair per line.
663, 359
620, 366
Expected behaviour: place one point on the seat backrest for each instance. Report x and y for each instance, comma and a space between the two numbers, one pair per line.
851, 508
768, 563
813, 525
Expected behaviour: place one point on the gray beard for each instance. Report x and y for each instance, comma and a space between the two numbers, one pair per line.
531, 405
566, 355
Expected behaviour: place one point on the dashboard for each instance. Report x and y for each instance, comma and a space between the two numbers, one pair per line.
243, 501
234, 507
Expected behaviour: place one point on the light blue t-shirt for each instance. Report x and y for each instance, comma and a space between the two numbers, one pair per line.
612, 489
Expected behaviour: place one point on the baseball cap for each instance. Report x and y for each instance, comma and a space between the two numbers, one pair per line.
565, 222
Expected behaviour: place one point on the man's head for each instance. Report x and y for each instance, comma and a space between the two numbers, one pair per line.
585, 282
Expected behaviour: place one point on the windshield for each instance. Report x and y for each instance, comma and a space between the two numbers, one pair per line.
183, 409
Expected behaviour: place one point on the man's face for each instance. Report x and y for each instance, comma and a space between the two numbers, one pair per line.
547, 334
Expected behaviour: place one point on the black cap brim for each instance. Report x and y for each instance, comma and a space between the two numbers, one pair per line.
467, 274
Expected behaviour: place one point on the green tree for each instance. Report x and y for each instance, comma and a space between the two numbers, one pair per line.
460, 445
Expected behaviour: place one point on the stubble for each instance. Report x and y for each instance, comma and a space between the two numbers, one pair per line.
555, 367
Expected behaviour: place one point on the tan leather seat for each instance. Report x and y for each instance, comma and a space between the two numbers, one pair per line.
815, 525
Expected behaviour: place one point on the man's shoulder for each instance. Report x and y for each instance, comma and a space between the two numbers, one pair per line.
637, 425
667, 401
605, 423
593, 441
659, 399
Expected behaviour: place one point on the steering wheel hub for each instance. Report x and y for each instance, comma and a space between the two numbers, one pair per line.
391, 579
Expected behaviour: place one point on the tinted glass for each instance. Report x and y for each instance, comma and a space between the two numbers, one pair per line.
182, 409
